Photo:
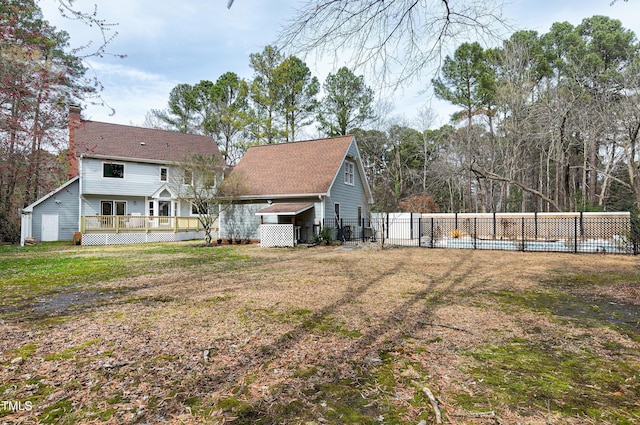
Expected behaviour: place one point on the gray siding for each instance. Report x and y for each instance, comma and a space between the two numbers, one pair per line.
240, 221
184, 210
66, 208
350, 197
91, 204
139, 179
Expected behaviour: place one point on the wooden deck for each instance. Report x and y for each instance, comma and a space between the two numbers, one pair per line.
137, 224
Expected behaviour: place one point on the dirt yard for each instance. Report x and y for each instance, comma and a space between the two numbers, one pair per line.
323, 335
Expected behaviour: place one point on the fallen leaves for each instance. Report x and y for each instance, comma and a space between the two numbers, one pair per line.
290, 336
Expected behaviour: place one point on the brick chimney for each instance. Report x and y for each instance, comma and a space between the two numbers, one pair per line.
74, 122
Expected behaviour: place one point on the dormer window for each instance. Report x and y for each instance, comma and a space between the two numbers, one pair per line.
113, 170
349, 170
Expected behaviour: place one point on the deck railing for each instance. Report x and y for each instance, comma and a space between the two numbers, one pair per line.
137, 224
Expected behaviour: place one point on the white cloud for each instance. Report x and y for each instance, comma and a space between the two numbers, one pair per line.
130, 91
170, 42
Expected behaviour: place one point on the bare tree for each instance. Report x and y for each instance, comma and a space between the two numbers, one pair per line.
627, 114
201, 182
395, 40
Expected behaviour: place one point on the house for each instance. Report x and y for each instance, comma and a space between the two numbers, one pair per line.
292, 190
120, 187
124, 182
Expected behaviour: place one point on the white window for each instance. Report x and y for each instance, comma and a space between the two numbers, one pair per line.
349, 169
112, 170
164, 174
151, 209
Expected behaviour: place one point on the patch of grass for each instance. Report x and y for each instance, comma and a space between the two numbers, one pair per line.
305, 373
54, 413
294, 316
104, 415
570, 308
53, 321
219, 259
31, 249
52, 271
71, 352
219, 299
283, 411
582, 279
341, 402
193, 402
28, 275
529, 376
324, 325
24, 352
384, 374
234, 405
150, 299
116, 399
166, 358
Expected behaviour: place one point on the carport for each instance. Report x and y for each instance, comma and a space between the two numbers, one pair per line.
286, 224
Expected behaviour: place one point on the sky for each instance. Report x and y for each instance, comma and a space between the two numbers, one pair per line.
169, 42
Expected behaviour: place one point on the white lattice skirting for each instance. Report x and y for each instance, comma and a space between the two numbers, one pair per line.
132, 238
276, 235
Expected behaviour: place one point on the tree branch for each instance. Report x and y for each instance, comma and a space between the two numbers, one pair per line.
395, 40
492, 176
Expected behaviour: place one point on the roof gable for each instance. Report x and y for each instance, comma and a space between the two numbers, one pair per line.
296, 168
100, 139
29, 208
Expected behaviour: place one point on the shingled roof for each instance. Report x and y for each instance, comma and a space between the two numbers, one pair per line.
94, 138
297, 168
